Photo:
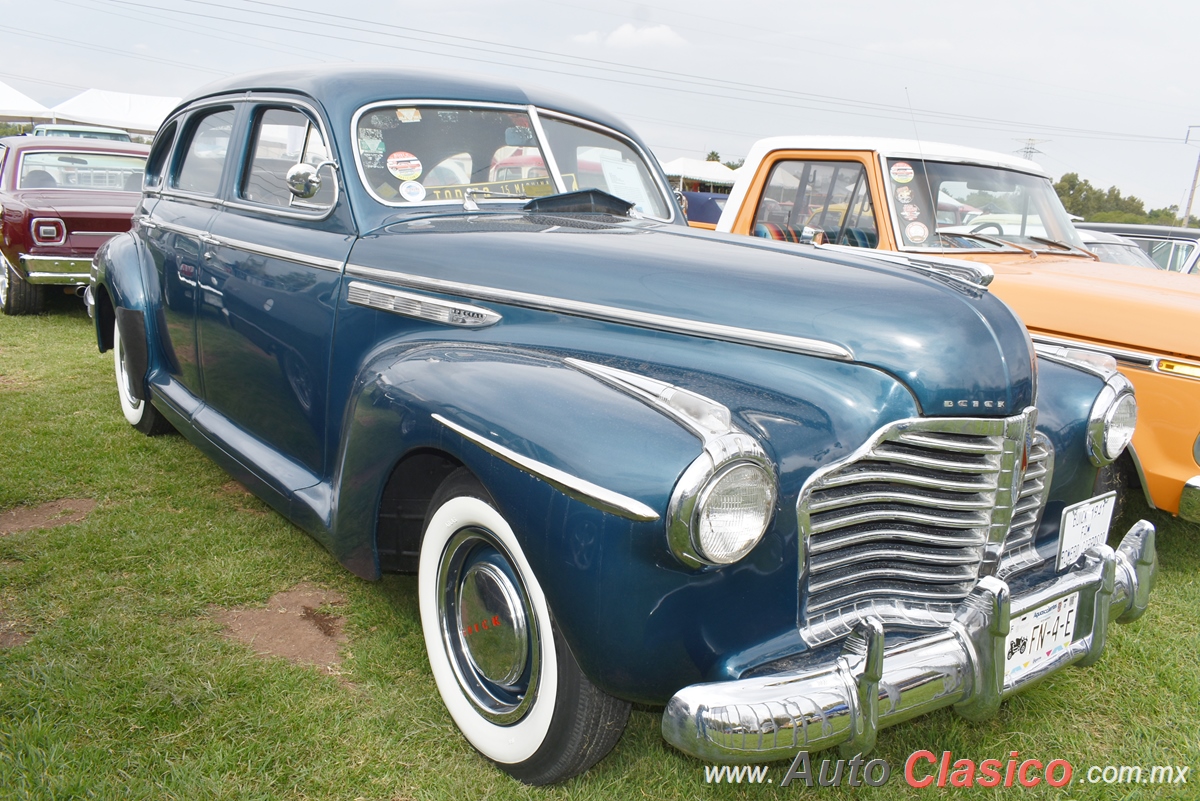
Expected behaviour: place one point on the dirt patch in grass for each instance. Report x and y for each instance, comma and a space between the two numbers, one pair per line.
48, 515
15, 381
243, 499
12, 633
294, 625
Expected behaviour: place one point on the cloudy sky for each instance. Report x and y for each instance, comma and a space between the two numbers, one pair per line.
1104, 89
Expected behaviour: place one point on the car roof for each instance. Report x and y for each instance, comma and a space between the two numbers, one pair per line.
894, 148
1136, 229
343, 89
68, 143
58, 126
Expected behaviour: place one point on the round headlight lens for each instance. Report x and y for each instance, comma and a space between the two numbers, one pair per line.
733, 511
1119, 423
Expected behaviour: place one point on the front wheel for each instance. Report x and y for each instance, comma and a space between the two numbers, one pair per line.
138, 413
504, 671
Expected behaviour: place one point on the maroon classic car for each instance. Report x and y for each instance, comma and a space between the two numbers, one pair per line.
61, 199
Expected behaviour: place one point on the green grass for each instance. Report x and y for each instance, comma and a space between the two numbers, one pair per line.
127, 690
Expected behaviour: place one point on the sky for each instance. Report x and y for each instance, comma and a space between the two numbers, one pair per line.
1104, 89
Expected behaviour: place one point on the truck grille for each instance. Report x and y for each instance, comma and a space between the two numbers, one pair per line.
905, 527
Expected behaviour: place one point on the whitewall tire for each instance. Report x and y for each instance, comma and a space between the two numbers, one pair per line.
505, 674
138, 413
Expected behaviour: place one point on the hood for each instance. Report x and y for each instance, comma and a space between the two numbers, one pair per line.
1128, 307
957, 348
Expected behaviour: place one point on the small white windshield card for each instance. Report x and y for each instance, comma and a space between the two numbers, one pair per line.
1084, 525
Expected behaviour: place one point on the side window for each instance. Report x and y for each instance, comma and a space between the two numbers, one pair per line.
823, 201
283, 138
158, 155
199, 170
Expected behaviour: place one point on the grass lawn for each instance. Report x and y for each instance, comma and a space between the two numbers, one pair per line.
119, 684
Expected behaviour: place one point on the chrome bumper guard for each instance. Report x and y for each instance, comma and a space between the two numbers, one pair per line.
845, 702
56, 269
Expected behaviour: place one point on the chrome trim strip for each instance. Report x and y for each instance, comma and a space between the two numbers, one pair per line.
96, 233
421, 307
332, 265
1120, 354
580, 489
548, 153
611, 314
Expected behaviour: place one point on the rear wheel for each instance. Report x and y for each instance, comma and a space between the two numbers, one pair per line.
503, 670
18, 296
140, 414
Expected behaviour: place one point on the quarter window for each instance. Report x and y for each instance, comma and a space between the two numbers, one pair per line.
158, 155
282, 139
200, 169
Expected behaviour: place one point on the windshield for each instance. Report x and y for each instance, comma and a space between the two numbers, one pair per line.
977, 207
424, 155
1121, 253
61, 169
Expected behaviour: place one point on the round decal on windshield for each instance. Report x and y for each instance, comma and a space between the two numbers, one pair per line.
902, 172
916, 232
412, 191
404, 165
910, 211
904, 194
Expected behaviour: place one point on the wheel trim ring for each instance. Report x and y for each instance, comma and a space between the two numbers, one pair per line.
487, 698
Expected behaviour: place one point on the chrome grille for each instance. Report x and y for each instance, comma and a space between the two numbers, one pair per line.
1019, 551
905, 527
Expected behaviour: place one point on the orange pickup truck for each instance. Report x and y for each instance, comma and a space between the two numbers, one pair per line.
933, 200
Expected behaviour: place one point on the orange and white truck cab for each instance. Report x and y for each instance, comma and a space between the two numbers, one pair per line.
1002, 211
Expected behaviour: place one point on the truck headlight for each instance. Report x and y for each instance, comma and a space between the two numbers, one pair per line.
1112, 420
723, 503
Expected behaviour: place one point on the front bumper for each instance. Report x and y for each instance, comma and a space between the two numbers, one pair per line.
844, 702
56, 269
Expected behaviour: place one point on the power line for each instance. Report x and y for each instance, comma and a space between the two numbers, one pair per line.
475, 46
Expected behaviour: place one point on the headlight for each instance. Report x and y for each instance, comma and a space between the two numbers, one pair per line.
1111, 422
722, 504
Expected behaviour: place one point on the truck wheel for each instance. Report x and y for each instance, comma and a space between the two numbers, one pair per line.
18, 296
140, 414
503, 670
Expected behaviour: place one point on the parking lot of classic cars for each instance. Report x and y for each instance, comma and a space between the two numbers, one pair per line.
809, 488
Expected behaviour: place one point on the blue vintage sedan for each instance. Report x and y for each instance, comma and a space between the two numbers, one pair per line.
460, 328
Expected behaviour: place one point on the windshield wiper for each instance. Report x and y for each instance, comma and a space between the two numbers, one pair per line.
988, 239
469, 203
1065, 246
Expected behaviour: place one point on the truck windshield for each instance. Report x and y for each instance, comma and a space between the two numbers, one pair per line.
977, 207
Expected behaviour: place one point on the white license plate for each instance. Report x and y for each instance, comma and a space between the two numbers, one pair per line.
1037, 636
1084, 525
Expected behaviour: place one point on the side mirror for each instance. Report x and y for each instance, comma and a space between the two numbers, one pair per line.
303, 180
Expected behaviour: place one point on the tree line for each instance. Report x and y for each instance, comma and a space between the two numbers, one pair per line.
1094, 204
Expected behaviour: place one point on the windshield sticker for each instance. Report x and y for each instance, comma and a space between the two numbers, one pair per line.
910, 212
902, 172
412, 191
383, 120
408, 114
904, 194
404, 165
916, 232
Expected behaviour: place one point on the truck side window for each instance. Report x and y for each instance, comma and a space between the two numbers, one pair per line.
826, 200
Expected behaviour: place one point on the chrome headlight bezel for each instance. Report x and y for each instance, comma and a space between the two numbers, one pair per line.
721, 456
1106, 440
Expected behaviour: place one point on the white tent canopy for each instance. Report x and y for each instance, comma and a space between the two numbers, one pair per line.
16, 107
708, 172
136, 113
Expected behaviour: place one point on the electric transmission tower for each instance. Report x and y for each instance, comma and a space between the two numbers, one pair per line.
1030, 150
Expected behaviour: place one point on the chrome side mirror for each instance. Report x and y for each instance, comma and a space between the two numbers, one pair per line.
303, 180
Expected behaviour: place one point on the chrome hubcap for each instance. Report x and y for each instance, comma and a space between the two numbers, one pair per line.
488, 626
